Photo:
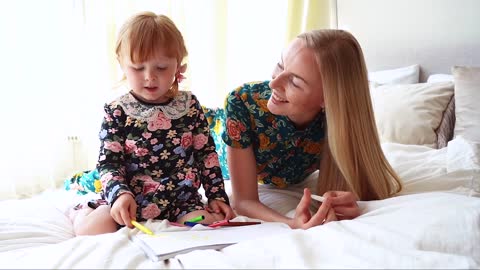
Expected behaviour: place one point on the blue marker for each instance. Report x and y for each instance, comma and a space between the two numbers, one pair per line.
190, 224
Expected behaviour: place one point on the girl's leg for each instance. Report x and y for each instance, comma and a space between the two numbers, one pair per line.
92, 222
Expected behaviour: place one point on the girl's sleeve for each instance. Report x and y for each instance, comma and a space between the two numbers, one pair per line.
111, 160
237, 128
210, 172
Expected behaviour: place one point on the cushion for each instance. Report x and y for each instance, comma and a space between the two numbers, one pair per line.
440, 78
410, 113
447, 125
84, 182
467, 102
404, 75
445, 130
216, 118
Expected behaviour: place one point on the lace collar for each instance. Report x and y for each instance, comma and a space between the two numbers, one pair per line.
176, 108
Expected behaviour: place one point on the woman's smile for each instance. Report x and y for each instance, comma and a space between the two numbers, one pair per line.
276, 99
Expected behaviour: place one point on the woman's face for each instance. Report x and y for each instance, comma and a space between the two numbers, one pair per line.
296, 85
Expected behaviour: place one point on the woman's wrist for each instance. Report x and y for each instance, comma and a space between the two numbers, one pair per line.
291, 223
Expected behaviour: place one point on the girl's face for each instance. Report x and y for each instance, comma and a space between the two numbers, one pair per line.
150, 80
296, 85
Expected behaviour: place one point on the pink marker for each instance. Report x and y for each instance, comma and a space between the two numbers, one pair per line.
176, 224
219, 223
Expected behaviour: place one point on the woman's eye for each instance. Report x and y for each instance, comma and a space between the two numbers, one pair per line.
292, 81
278, 69
275, 73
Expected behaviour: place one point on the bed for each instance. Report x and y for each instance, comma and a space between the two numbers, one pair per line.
433, 223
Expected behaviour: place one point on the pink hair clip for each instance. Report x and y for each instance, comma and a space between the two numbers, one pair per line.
179, 75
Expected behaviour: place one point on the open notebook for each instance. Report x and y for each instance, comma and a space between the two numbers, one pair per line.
168, 244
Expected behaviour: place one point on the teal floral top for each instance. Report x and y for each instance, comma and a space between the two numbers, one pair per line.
284, 155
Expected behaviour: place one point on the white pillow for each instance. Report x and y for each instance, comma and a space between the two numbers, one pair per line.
467, 102
440, 78
404, 75
463, 155
410, 113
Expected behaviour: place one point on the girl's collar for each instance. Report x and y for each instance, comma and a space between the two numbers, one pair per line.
150, 103
173, 109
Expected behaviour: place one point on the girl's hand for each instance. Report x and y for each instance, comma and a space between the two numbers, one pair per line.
303, 219
344, 203
124, 210
217, 206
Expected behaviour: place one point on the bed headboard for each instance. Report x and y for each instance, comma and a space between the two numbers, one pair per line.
436, 34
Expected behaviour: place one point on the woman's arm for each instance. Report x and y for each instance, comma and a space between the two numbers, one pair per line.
242, 168
241, 165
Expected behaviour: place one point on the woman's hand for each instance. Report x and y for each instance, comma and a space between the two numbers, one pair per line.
124, 210
303, 218
217, 206
344, 203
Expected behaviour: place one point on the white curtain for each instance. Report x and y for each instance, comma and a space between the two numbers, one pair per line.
58, 68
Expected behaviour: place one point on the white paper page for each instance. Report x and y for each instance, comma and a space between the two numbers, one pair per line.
171, 242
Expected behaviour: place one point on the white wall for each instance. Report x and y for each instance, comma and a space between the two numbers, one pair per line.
433, 33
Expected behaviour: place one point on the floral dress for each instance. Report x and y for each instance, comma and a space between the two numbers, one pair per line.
160, 154
284, 155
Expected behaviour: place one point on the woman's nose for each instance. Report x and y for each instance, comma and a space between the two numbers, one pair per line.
276, 82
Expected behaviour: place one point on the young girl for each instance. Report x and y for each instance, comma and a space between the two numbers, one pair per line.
156, 148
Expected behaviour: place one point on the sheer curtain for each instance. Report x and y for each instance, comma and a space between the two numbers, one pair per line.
59, 68
305, 15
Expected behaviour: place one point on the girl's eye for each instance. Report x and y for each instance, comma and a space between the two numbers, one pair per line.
161, 68
138, 68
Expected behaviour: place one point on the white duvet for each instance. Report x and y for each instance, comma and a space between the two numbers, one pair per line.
433, 223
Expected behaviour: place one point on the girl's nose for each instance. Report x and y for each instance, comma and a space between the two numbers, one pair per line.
150, 76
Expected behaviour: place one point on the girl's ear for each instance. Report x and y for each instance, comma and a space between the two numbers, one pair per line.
182, 68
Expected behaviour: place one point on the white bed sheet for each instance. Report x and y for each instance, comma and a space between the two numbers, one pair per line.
433, 223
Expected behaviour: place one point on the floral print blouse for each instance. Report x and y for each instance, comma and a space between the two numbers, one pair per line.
284, 155
159, 153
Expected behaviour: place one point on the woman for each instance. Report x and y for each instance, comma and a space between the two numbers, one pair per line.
276, 132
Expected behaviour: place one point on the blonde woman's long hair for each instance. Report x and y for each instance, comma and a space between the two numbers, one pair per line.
353, 159
144, 33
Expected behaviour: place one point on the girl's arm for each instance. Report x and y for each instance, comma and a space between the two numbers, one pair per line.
111, 159
210, 172
242, 168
